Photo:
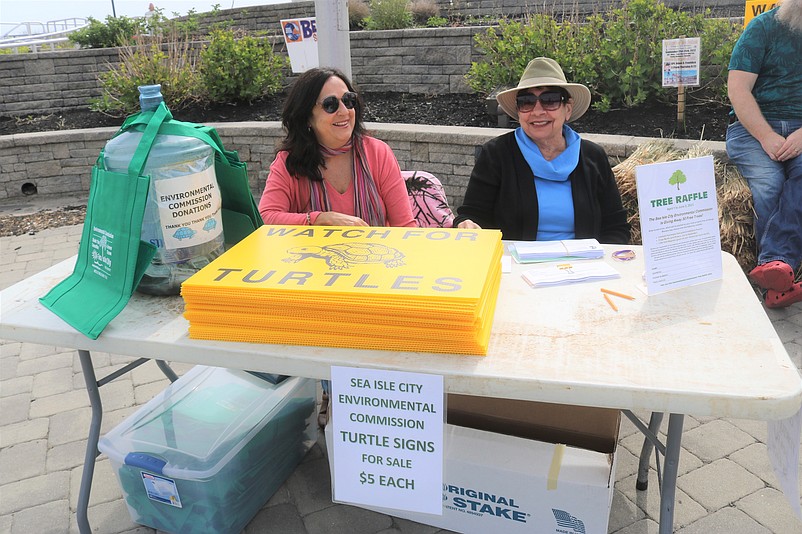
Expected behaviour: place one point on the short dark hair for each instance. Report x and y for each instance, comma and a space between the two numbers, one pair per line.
304, 157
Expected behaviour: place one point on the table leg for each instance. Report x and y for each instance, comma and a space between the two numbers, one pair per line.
92, 452
669, 486
646, 452
93, 386
167, 370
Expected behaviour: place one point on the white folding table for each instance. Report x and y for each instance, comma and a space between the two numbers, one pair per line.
706, 350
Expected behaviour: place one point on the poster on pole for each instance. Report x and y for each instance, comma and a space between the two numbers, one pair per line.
681, 62
387, 428
300, 36
679, 223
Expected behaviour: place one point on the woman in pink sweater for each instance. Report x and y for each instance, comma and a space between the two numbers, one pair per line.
327, 171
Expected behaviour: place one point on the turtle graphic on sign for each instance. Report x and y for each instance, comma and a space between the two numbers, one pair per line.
341, 256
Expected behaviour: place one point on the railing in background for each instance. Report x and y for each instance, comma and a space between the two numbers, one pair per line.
33, 35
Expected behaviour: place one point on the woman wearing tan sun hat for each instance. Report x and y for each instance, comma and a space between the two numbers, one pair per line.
541, 181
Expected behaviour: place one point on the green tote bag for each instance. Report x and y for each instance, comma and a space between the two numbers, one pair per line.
111, 258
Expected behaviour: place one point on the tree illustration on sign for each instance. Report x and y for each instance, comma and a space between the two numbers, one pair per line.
677, 178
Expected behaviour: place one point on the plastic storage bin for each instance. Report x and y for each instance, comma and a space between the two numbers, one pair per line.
208, 452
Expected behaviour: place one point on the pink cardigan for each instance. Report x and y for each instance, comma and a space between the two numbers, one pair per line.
285, 199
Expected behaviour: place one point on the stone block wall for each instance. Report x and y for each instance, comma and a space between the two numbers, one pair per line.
60, 162
255, 18
427, 60
430, 60
266, 18
51, 81
515, 8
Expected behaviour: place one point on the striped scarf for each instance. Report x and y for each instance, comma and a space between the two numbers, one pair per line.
367, 202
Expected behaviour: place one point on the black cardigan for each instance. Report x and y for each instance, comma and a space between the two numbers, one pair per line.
501, 194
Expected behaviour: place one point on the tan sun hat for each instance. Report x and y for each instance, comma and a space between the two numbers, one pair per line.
545, 72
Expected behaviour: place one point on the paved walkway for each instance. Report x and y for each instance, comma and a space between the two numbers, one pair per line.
725, 482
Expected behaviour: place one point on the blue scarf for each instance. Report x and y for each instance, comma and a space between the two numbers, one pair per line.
555, 201
560, 167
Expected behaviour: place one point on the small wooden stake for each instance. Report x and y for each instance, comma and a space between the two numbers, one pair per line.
681, 101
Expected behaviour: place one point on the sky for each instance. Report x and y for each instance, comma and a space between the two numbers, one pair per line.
12, 11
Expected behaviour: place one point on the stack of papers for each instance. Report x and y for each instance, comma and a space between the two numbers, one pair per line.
554, 274
402, 289
569, 249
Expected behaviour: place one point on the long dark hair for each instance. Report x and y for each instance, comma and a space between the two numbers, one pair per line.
304, 157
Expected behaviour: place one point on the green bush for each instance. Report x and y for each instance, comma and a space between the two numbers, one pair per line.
436, 22
119, 31
618, 55
154, 62
241, 69
388, 15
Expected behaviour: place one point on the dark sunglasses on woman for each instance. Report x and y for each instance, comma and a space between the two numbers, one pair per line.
331, 104
550, 100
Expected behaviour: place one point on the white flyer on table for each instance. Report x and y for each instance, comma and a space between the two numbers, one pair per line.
679, 223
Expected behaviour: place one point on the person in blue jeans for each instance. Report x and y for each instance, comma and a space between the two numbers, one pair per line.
765, 141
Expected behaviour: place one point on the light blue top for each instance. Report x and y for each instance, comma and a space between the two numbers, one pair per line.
552, 186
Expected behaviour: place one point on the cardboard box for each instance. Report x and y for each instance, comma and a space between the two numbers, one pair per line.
207, 453
522, 467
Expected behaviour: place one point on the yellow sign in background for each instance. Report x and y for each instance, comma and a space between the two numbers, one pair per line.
755, 8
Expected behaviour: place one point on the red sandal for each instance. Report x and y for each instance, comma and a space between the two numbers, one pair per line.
783, 299
775, 275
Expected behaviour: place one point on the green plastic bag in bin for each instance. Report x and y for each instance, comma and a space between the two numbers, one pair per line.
111, 258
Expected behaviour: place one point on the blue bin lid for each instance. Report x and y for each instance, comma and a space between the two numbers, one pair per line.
200, 421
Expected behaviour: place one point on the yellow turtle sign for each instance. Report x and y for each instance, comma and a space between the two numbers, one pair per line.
360, 287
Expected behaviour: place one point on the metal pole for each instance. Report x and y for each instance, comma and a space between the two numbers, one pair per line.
91, 442
669, 486
333, 39
113, 11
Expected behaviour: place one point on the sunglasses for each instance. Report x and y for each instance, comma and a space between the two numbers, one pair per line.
331, 104
550, 100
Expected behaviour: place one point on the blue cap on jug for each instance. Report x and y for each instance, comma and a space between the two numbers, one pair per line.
150, 97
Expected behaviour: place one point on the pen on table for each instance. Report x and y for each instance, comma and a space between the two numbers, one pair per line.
617, 294
610, 302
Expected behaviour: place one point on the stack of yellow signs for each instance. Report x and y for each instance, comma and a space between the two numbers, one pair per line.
403, 289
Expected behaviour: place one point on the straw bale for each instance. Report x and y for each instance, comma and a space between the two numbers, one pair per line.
736, 215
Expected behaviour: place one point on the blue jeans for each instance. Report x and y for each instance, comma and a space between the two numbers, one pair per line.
776, 192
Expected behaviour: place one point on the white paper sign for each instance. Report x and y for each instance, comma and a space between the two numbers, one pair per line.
783, 446
679, 223
189, 210
681, 62
300, 35
387, 428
